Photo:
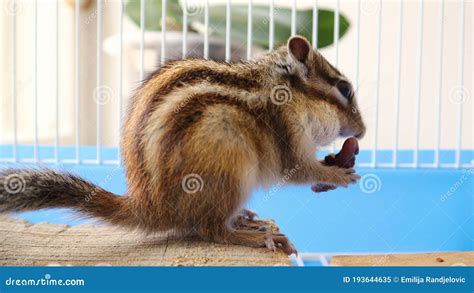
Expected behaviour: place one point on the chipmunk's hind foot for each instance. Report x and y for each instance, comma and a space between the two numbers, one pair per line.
255, 233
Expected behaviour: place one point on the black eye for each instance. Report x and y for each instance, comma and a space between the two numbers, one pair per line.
345, 89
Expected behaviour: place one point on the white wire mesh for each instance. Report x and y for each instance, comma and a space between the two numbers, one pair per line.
423, 14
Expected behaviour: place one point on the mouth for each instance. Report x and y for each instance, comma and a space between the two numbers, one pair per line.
347, 133
360, 135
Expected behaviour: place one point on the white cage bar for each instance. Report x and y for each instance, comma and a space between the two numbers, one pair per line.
56, 134
336, 48
228, 24
142, 39
440, 84
249, 30
163, 32
36, 140
339, 8
398, 83
271, 33
206, 30
120, 77
293, 17
14, 87
461, 83
315, 25
78, 79
377, 87
99, 81
418, 83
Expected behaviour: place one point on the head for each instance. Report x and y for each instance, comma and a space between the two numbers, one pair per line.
309, 73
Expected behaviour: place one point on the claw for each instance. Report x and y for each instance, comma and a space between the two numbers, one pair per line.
250, 215
270, 244
280, 241
321, 187
267, 228
244, 217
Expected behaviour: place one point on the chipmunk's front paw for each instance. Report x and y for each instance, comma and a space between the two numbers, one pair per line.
336, 176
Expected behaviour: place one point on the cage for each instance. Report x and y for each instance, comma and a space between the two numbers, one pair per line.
69, 68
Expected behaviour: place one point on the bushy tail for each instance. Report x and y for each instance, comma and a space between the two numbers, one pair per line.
34, 189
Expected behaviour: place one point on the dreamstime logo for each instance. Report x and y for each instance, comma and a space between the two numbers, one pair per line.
276, 12
281, 94
93, 15
103, 94
182, 105
370, 183
369, 7
288, 175
381, 260
452, 190
13, 7
106, 180
194, 9
25, 262
14, 184
103, 264
192, 183
458, 95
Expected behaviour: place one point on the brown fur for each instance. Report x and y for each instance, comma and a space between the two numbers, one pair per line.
221, 123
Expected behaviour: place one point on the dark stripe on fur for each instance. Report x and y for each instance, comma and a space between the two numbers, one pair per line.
270, 120
180, 128
178, 123
186, 78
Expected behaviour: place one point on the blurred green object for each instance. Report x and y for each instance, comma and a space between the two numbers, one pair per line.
260, 21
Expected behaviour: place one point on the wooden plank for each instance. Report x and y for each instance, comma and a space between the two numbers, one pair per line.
23, 243
465, 258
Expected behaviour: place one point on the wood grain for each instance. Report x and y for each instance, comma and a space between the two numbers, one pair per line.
26, 244
465, 258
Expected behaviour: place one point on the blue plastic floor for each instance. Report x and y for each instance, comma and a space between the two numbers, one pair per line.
390, 210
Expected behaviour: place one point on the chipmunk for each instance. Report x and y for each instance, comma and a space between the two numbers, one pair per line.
200, 135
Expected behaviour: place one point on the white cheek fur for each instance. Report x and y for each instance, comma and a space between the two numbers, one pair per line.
322, 128
326, 129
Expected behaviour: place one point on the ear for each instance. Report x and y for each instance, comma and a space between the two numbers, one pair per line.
299, 48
